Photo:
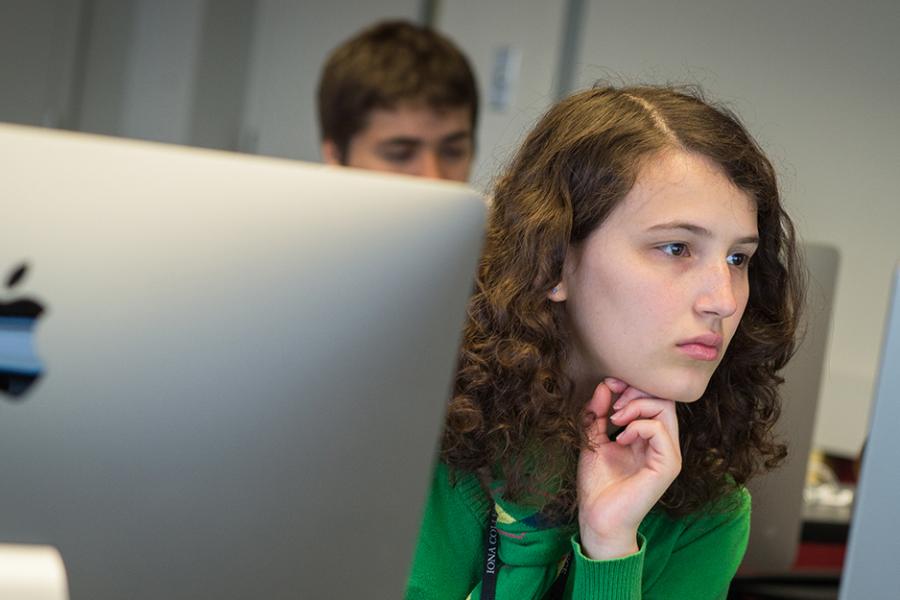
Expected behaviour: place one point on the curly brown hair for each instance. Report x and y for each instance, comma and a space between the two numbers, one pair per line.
512, 415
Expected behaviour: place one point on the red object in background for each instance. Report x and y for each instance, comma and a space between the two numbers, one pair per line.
845, 469
819, 557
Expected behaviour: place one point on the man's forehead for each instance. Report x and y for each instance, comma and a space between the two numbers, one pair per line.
423, 106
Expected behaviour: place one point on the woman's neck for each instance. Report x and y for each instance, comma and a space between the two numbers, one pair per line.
584, 379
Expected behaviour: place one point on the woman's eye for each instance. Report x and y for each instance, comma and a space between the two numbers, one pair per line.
738, 260
675, 249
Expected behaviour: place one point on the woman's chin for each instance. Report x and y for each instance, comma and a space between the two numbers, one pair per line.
685, 390
689, 391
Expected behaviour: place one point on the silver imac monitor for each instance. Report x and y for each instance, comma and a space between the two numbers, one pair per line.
222, 376
778, 495
873, 547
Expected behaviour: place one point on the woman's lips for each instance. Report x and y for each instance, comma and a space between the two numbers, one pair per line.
700, 351
703, 347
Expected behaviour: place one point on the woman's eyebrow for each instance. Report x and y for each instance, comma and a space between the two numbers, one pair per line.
699, 230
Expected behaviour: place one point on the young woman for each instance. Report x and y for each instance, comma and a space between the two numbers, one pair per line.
638, 293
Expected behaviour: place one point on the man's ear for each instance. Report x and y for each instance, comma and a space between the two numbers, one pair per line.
330, 153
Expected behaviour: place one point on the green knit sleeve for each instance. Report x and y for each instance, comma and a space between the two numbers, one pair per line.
697, 563
617, 579
707, 553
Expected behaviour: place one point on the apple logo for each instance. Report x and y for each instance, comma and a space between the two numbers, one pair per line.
19, 364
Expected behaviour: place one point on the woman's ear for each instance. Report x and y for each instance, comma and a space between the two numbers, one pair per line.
560, 291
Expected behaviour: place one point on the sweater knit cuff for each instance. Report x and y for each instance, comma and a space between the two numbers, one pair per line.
616, 579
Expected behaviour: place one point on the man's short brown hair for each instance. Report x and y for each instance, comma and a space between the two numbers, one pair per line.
389, 63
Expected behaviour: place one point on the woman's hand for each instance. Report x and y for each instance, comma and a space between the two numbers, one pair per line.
620, 480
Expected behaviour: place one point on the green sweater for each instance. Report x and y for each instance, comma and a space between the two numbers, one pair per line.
693, 557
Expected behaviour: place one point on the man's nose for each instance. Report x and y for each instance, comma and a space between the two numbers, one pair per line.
430, 166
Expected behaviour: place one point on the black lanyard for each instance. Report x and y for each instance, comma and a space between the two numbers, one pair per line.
491, 559
492, 566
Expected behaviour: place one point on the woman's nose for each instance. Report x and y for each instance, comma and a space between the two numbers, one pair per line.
717, 294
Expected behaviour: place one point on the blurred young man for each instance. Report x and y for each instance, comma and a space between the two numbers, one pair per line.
402, 98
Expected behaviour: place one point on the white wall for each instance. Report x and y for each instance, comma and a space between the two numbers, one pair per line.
172, 71
817, 82
533, 30
221, 74
38, 41
178, 71
160, 80
107, 47
291, 42
139, 68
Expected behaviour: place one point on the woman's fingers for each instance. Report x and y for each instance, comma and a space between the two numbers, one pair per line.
616, 385
600, 402
631, 404
596, 411
657, 437
626, 393
648, 408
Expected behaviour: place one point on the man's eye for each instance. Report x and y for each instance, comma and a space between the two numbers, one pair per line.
675, 249
454, 152
738, 259
397, 156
